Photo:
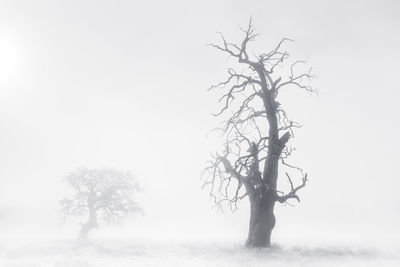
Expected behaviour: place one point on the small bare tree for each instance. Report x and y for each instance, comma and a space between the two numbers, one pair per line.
101, 195
256, 132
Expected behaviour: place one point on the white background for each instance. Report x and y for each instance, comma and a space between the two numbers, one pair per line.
123, 84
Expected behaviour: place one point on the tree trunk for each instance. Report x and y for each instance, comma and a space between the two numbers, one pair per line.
262, 203
262, 221
89, 225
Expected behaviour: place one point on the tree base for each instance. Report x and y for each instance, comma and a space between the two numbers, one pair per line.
262, 222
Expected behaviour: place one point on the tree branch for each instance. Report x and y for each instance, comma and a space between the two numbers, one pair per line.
293, 190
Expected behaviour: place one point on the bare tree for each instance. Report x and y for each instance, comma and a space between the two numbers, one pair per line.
101, 195
256, 133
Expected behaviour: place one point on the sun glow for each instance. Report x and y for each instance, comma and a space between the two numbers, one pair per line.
10, 58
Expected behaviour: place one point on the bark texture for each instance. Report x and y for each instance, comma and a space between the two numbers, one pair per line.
262, 222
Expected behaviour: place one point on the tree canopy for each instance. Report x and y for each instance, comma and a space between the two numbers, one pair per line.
104, 195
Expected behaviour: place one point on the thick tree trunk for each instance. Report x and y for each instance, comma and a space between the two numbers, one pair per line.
262, 203
89, 225
262, 221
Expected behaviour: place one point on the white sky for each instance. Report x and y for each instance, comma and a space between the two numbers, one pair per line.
123, 84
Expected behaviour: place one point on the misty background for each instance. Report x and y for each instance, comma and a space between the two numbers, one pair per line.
123, 84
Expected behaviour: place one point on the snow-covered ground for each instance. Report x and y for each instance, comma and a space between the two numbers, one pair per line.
107, 253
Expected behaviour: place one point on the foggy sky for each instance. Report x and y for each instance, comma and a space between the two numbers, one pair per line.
123, 84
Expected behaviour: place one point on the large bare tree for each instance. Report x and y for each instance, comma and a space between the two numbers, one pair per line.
256, 133
100, 196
